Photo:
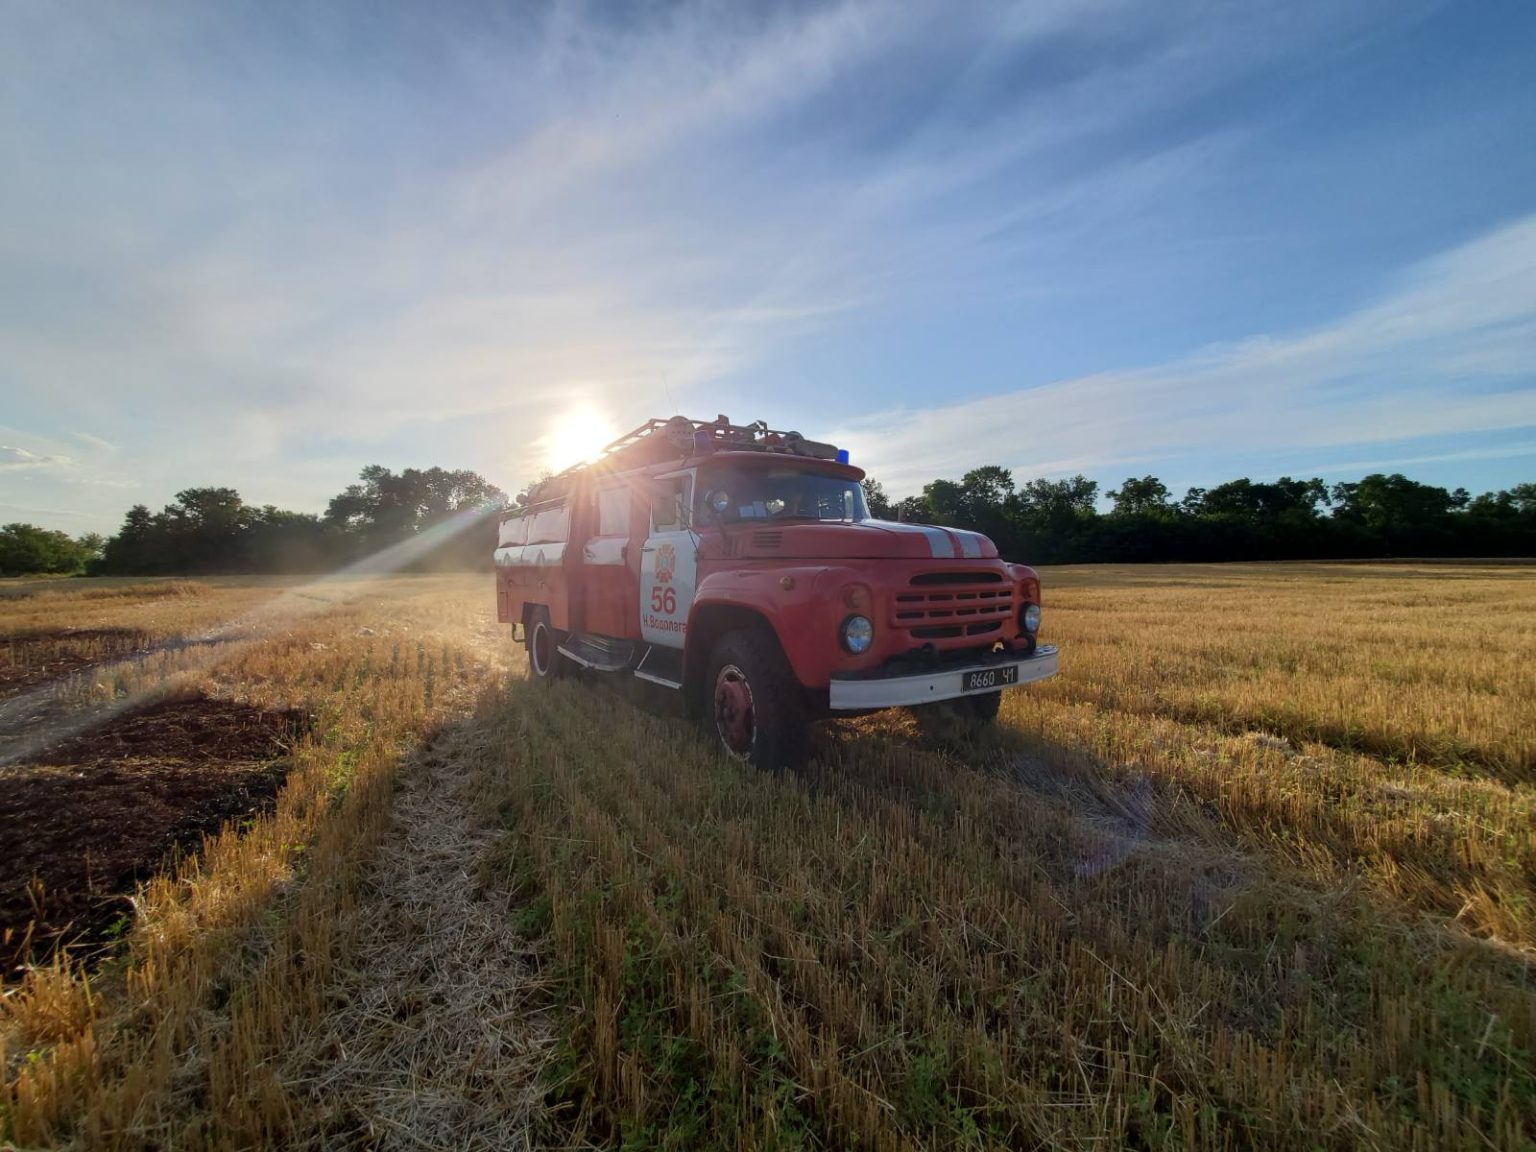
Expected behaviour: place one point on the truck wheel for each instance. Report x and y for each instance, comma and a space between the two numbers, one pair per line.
752, 703
544, 659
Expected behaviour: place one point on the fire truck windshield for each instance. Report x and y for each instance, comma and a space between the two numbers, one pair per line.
733, 496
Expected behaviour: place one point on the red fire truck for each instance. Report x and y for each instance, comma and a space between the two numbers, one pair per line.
739, 566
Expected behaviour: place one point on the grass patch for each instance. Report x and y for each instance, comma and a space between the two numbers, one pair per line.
1257, 869
899, 947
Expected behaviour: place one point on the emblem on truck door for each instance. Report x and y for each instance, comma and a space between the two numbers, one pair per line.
666, 563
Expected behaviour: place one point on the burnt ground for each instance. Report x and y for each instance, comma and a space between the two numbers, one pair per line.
83, 822
34, 658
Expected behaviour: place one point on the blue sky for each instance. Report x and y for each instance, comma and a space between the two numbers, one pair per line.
263, 245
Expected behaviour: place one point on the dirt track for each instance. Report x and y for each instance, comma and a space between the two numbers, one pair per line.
435, 1035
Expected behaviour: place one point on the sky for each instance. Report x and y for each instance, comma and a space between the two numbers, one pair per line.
263, 245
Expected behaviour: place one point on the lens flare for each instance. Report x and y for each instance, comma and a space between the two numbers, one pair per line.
578, 435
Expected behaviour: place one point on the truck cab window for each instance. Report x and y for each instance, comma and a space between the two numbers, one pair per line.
669, 499
613, 512
784, 494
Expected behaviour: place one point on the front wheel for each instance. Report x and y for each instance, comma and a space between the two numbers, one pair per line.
752, 702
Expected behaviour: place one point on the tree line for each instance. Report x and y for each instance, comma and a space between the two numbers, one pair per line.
1379, 516
27, 550
208, 531
212, 530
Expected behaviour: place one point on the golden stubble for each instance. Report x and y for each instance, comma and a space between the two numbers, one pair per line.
1256, 870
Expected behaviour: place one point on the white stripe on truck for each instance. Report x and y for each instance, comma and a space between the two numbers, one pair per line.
939, 546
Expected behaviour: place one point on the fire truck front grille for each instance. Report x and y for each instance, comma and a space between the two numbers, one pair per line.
767, 539
949, 605
951, 631
964, 577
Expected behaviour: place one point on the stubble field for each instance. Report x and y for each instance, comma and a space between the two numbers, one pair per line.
1257, 870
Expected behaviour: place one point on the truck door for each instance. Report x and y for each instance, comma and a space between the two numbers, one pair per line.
668, 563
608, 582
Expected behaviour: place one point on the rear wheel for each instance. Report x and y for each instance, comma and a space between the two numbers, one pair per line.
544, 659
752, 703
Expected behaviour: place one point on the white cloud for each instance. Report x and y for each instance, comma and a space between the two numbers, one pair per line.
1449, 351
1481, 453
16, 459
95, 442
52, 512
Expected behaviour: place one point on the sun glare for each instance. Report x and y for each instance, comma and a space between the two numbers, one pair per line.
576, 436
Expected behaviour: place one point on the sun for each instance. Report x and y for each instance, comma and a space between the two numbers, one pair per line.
578, 435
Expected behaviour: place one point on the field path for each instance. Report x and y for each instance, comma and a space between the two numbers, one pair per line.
435, 1036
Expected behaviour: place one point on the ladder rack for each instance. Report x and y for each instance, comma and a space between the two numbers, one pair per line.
686, 437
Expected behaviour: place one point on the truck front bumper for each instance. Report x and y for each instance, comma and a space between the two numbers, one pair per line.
850, 694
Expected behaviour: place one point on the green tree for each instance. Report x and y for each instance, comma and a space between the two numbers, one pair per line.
387, 507
1061, 501
1143, 497
944, 501
1248, 500
138, 547
880, 506
206, 530
27, 550
92, 544
987, 488
1392, 503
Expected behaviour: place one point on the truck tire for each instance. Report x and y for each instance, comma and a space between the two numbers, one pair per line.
544, 660
752, 703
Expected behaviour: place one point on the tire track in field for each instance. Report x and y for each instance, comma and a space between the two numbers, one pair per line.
436, 1033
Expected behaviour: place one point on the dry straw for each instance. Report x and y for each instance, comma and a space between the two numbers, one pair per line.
1257, 870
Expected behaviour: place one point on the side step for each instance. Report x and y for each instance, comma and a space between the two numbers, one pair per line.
599, 653
662, 666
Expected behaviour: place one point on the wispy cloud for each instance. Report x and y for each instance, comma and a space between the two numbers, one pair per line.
32, 510
1519, 449
17, 459
1449, 350
95, 442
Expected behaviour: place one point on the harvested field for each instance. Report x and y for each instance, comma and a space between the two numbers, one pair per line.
97, 814
1410, 663
32, 658
1257, 870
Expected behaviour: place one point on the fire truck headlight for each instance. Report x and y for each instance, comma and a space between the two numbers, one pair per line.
1029, 618
857, 634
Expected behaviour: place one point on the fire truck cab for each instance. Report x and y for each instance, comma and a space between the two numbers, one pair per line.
739, 566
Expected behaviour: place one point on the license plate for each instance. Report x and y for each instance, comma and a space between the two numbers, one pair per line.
989, 678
